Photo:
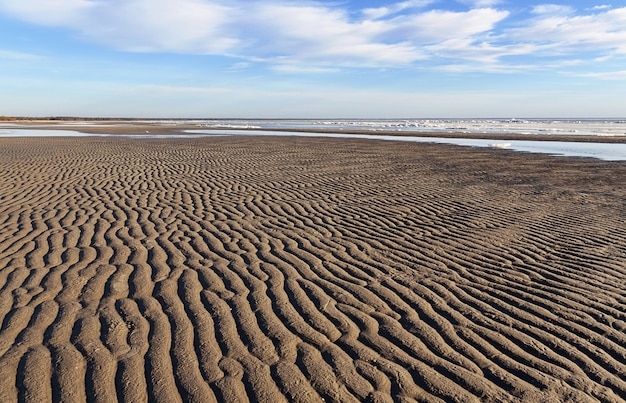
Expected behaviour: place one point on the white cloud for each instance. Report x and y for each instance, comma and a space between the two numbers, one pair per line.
483, 52
189, 26
603, 33
286, 33
318, 37
309, 34
553, 9
436, 26
51, 12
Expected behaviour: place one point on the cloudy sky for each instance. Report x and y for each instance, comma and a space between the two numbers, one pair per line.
339, 58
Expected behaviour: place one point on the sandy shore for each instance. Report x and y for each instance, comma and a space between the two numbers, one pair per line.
302, 269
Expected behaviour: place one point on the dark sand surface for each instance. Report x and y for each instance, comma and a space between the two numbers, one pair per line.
307, 269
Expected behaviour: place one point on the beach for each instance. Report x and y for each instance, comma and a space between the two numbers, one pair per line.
259, 268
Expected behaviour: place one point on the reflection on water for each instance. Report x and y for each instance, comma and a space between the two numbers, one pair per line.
604, 151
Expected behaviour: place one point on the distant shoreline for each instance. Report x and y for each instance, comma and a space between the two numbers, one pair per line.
139, 126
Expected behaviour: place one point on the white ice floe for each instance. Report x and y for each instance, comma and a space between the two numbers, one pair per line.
595, 127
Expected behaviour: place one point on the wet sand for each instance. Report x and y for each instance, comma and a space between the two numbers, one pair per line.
308, 269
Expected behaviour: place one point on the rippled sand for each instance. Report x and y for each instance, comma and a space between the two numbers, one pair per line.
302, 269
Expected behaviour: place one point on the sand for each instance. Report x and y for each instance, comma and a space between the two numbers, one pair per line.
305, 269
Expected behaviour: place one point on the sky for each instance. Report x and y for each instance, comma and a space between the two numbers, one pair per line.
313, 59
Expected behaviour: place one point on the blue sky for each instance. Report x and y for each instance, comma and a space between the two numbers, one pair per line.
284, 59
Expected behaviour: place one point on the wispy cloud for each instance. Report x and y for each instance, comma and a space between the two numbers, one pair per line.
480, 3
322, 36
12, 55
384, 11
552, 9
51, 13
309, 34
610, 75
603, 33
298, 69
601, 7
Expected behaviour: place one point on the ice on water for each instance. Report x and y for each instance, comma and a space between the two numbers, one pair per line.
599, 127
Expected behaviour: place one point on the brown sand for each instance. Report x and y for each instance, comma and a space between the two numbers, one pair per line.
300, 269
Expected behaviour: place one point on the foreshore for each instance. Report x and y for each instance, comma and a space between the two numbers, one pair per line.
260, 268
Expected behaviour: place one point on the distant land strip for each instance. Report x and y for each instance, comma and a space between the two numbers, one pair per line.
132, 126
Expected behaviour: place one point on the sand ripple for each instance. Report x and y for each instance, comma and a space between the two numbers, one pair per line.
274, 269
